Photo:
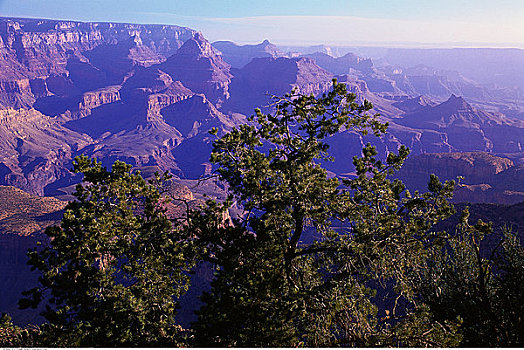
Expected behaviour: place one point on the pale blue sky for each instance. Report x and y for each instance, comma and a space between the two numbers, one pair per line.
343, 22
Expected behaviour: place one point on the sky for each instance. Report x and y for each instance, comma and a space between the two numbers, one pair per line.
411, 23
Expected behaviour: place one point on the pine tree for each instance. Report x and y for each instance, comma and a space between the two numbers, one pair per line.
113, 270
479, 277
316, 260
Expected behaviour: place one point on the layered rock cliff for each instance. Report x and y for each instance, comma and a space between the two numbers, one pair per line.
486, 178
468, 128
34, 50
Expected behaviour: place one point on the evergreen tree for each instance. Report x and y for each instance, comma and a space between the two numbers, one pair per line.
114, 268
316, 260
479, 277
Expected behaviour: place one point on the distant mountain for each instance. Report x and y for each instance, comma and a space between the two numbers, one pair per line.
468, 128
148, 94
342, 65
240, 55
253, 85
333, 51
503, 67
488, 78
201, 68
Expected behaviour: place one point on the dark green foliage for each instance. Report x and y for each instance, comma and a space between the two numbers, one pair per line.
14, 336
305, 262
313, 260
482, 284
114, 268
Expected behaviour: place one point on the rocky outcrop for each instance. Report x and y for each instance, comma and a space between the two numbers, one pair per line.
156, 87
35, 150
201, 68
468, 128
92, 55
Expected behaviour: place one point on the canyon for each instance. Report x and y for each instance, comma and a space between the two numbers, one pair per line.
149, 94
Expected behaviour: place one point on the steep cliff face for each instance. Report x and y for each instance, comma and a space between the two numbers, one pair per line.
475, 167
92, 55
35, 150
94, 99
487, 178
44, 46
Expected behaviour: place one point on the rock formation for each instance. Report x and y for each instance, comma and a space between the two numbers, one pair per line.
467, 128
253, 85
148, 94
200, 67
240, 55
486, 178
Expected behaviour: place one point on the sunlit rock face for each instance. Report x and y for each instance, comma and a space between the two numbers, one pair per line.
86, 55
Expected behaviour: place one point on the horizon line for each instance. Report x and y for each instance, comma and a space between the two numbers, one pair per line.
403, 44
